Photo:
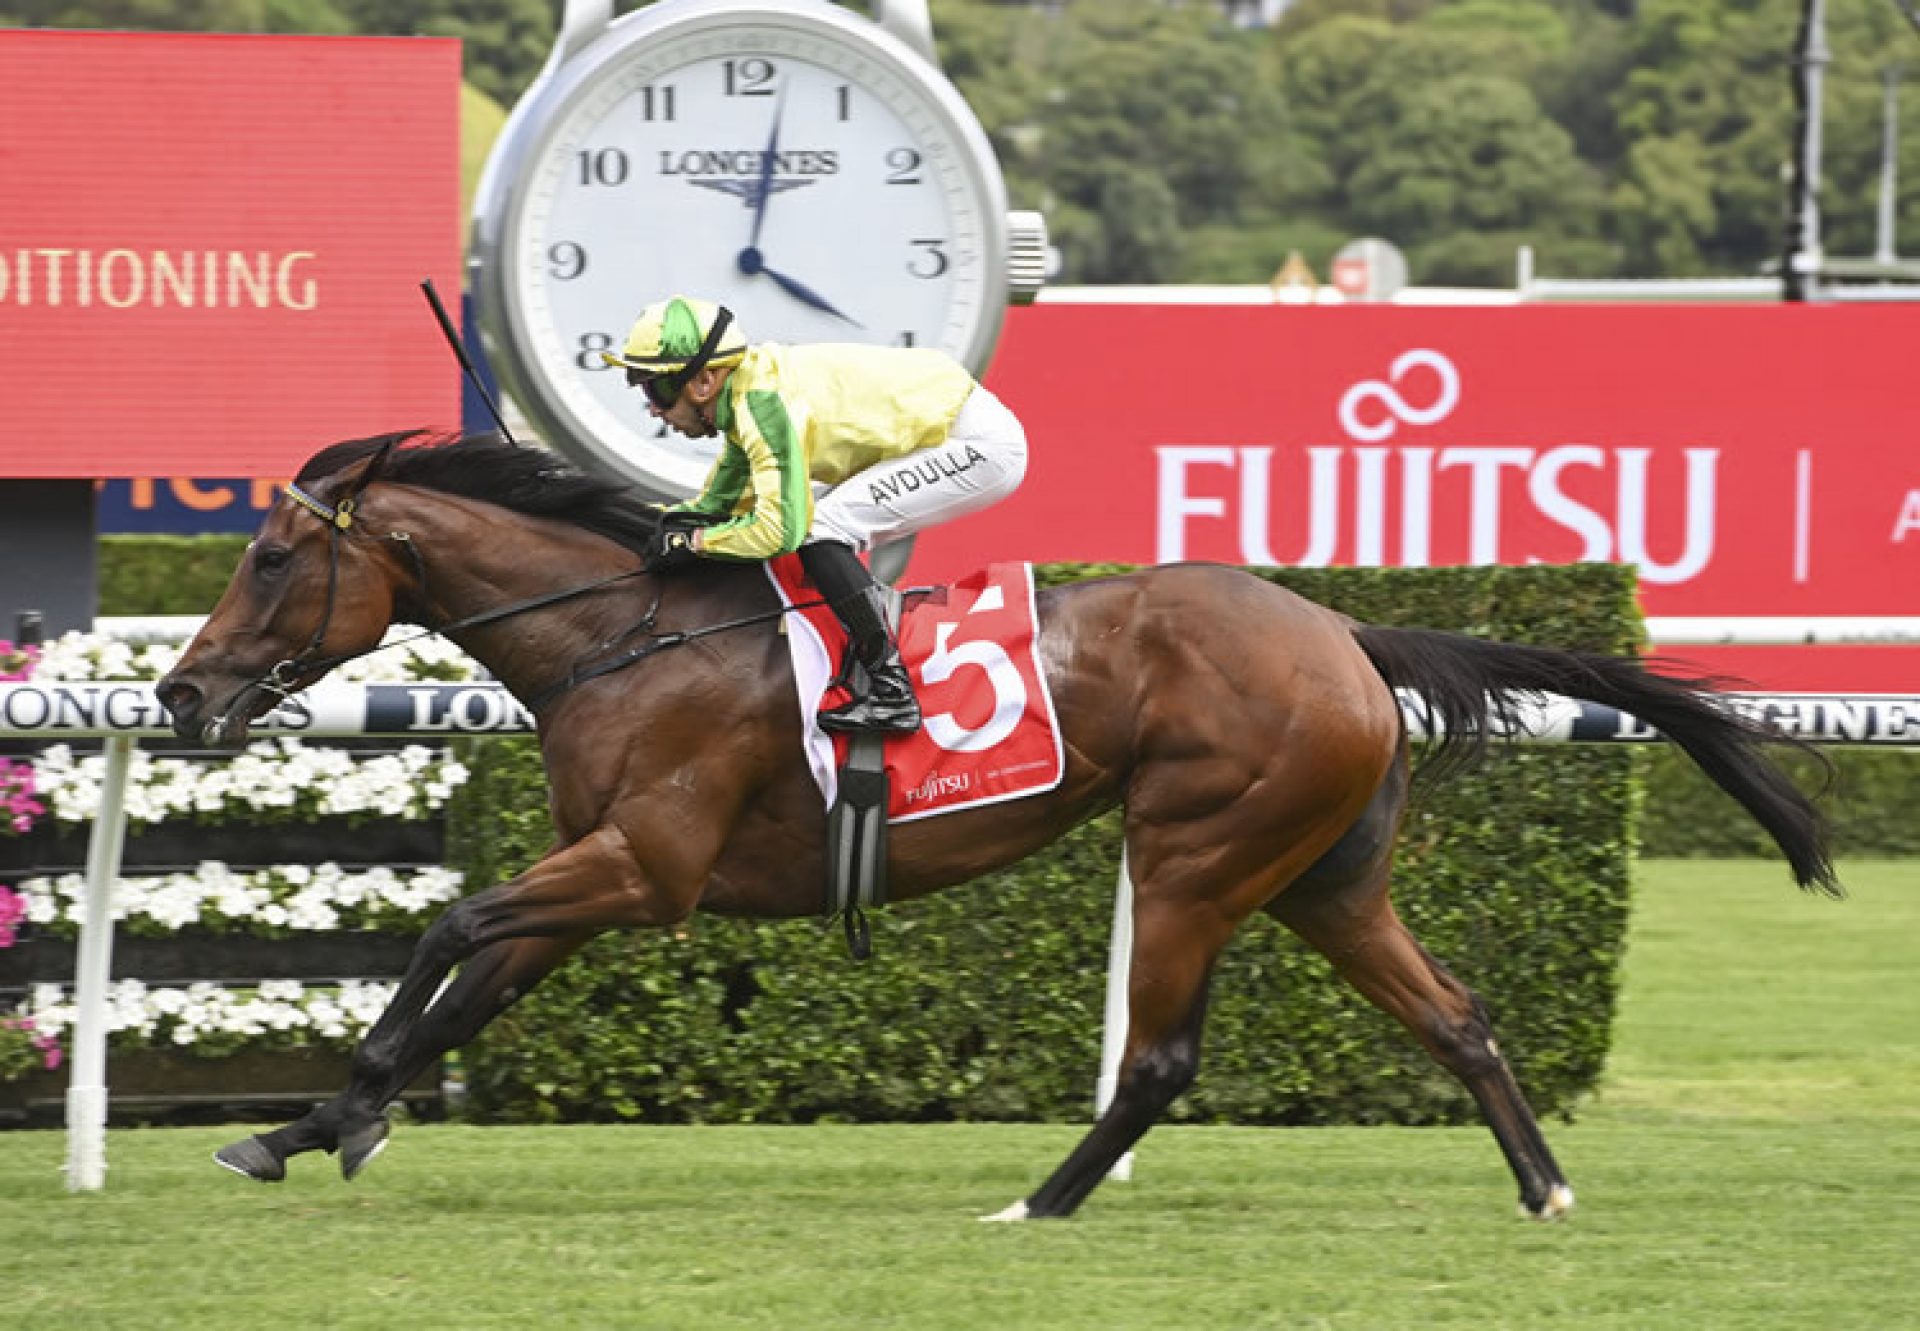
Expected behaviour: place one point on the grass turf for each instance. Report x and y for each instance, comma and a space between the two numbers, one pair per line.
1753, 1161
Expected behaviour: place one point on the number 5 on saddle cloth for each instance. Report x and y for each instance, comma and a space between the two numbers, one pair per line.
989, 733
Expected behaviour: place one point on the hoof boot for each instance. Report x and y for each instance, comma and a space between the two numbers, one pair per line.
360, 1146
252, 1159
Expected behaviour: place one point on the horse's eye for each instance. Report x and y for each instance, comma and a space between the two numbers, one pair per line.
272, 558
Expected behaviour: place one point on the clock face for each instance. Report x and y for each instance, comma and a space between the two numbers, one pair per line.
824, 188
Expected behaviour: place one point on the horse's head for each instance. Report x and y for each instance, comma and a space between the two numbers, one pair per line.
317, 586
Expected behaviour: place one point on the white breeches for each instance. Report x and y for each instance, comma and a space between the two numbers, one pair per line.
982, 461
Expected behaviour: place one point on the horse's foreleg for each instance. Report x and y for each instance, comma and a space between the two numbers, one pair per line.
1368, 944
496, 978
559, 902
353, 1122
1167, 1007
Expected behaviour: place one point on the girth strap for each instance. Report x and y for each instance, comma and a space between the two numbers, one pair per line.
857, 825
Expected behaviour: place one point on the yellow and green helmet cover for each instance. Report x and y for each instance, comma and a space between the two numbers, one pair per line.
670, 337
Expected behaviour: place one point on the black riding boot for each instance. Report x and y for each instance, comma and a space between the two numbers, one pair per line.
887, 704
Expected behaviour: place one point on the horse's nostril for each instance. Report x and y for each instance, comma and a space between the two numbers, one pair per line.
178, 697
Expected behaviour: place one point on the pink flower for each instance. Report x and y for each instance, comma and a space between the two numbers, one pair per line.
49, 1048
16, 663
13, 909
48, 1045
18, 807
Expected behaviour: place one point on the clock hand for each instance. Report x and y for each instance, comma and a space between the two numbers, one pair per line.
763, 188
751, 262
801, 291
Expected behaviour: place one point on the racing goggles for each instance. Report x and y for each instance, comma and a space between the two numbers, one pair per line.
662, 390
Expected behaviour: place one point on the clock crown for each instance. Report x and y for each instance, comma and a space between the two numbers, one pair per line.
1026, 256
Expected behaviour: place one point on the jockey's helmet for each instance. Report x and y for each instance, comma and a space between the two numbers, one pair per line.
673, 340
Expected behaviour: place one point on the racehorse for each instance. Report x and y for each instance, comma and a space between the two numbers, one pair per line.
1252, 736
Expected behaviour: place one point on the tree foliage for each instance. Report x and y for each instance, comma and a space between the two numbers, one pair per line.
1625, 137
1616, 137
1138, 120
504, 41
316, 16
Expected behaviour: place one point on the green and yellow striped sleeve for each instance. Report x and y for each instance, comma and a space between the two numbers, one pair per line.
775, 463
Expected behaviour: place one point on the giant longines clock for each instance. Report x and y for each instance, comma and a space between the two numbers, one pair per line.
805, 166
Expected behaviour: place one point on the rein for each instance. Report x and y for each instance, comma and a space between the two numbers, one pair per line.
280, 681
659, 642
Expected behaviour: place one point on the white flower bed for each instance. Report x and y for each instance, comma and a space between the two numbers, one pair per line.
273, 780
282, 1012
287, 897
80, 657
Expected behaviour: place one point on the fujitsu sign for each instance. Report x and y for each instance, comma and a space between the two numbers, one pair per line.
1372, 499
1751, 460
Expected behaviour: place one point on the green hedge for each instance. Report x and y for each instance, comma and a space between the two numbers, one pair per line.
1871, 805
738, 1022
1686, 815
165, 575
985, 1002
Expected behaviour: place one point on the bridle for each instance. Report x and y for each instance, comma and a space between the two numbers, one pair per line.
282, 680
341, 518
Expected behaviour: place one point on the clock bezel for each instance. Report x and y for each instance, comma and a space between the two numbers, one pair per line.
501, 212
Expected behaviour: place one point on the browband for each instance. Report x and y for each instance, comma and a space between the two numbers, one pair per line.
340, 517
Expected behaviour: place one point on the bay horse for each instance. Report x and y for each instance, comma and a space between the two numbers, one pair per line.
1252, 736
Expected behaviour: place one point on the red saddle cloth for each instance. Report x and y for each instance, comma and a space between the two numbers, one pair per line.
989, 732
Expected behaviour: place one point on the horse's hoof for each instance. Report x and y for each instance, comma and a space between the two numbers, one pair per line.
1018, 1211
1558, 1204
252, 1159
359, 1147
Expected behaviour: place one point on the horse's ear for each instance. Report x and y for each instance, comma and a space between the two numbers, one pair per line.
363, 473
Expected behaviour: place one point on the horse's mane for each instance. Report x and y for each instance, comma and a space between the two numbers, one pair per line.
525, 479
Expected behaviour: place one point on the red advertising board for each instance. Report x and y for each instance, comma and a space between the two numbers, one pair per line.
211, 248
1750, 460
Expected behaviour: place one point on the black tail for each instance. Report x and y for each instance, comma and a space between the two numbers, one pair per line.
1468, 683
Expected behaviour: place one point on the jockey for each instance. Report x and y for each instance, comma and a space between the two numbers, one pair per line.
826, 449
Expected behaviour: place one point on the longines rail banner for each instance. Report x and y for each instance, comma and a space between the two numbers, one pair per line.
212, 245
54, 711
328, 710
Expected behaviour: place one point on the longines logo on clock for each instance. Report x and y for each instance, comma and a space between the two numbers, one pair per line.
739, 172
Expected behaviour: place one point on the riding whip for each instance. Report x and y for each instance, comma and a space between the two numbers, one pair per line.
460, 351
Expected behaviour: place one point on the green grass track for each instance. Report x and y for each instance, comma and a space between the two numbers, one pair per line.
1753, 1161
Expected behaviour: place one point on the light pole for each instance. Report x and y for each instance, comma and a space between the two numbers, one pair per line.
1800, 268
1885, 250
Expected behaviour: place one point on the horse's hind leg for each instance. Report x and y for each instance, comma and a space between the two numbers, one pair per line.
1355, 926
1173, 958
1229, 805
